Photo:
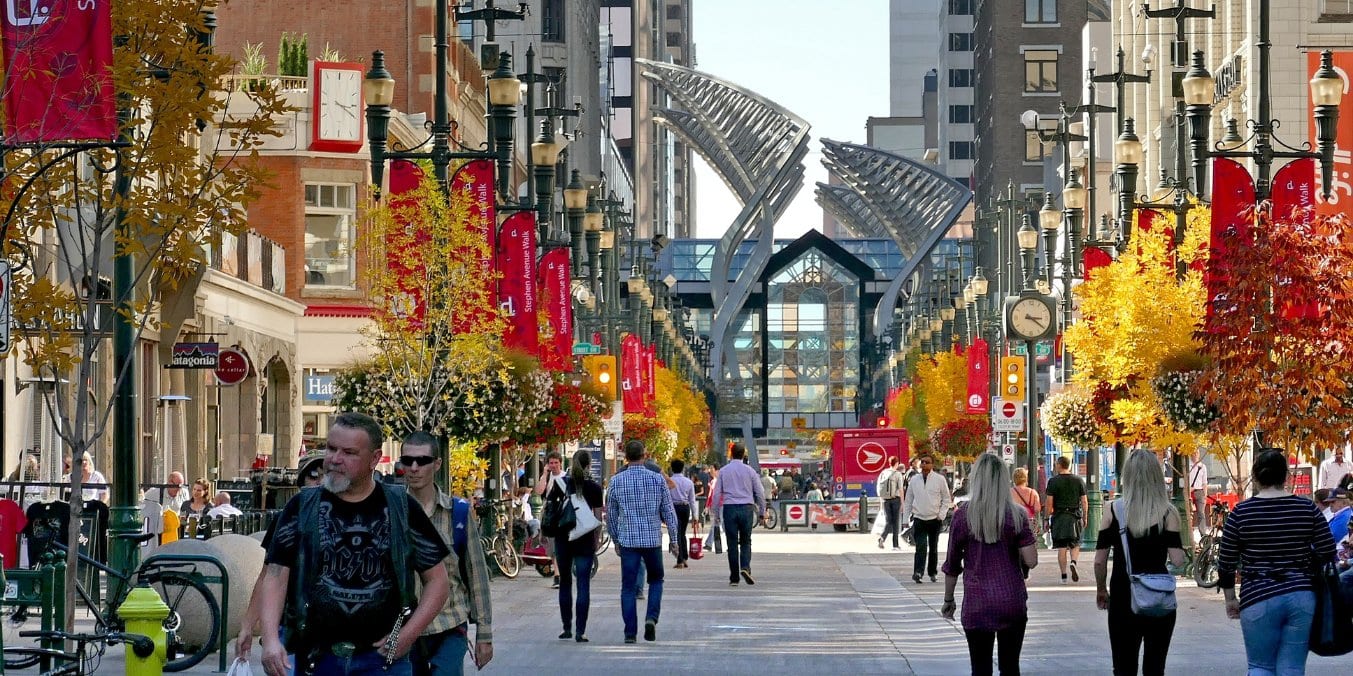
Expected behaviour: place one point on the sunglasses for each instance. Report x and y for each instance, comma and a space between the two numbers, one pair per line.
416, 460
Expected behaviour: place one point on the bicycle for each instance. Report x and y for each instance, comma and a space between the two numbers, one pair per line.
497, 539
80, 661
770, 518
175, 582
1209, 545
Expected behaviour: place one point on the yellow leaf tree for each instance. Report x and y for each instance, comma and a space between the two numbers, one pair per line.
943, 385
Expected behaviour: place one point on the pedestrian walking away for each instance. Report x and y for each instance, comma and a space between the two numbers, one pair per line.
638, 503
683, 498
890, 492
1066, 503
577, 549
1153, 528
1275, 540
342, 562
1198, 493
739, 503
925, 505
1027, 498
991, 545
442, 648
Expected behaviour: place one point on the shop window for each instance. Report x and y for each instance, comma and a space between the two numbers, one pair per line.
330, 212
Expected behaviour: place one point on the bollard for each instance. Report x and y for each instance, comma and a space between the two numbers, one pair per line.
144, 612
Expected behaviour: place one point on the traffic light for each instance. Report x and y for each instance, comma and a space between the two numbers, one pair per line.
601, 371
1012, 378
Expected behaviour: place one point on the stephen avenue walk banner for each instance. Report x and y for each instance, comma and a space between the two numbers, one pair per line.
1340, 200
1293, 195
1232, 226
555, 281
650, 364
404, 247
517, 287
979, 377
472, 185
632, 385
58, 83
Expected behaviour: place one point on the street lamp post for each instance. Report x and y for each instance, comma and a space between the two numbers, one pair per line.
575, 202
1028, 245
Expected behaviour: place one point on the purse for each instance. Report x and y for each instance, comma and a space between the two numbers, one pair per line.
584, 520
1152, 593
1332, 627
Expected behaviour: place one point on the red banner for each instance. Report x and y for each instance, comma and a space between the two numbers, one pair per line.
979, 377
58, 83
472, 185
1232, 223
404, 250
1293, 196
1340, 200
517, 287
632, 387
650, 370
1094, 257
555, 280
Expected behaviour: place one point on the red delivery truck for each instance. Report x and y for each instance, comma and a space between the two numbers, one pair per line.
858, 455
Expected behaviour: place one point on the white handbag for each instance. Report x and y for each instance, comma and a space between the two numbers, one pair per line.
584, 520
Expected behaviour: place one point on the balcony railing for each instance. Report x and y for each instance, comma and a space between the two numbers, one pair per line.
239, 82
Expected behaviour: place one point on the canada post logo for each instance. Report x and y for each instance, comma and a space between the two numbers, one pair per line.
22, 13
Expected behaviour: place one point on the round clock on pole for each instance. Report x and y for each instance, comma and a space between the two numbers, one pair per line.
1030, 317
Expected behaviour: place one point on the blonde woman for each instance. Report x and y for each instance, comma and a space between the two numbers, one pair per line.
991, 540
1153, 534
1027, 498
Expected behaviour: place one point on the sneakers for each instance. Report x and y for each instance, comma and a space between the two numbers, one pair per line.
1063, 578
631, 639
566, 635
732, 583
651, 630
932, 579
580, 638
556, 583
1075, 577
880, 543
916, 578
747, 576
896, 548
639, 594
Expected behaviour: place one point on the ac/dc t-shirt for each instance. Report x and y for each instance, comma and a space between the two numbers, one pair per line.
355, 596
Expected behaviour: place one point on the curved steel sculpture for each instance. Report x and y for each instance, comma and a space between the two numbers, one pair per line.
757, 147
886, 194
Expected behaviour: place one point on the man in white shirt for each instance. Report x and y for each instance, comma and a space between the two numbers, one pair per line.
1333, 469
223, 507
926, 503
1198, 491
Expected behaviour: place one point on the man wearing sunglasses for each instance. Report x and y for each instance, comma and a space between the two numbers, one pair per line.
442, 647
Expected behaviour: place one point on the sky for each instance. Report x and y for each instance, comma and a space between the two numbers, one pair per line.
825, 60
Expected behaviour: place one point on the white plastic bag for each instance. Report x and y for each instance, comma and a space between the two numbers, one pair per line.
880, 523
240, 667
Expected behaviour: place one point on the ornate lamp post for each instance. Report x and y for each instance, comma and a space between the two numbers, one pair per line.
544, 156
575, 202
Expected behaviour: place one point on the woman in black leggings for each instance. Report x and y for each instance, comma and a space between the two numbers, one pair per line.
1153, 534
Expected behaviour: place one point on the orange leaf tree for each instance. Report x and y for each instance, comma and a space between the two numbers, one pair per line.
1281, 337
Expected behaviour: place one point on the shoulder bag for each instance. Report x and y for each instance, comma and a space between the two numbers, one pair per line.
584, 520
1152, 593
1332, 627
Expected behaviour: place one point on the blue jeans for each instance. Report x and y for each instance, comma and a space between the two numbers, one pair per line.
441, 654
737, 531
1278, 633
631, 559
365, 663
574, 568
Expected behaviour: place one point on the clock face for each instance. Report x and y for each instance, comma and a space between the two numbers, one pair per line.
1030, 318
340, 116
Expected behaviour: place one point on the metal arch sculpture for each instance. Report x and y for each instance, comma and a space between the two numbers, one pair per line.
912, 203
757, 147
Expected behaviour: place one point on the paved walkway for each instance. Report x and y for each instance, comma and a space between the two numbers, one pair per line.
827, 603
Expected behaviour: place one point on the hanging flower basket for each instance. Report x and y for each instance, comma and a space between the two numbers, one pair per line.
1069, 417
962, 439
571, 416
1182, 407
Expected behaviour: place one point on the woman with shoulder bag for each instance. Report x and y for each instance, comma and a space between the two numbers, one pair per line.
577, 549
1277, 540
990, 543
1152, 535
1027, 497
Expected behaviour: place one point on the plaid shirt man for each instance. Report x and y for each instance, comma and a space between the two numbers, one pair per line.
469, 597
635, 501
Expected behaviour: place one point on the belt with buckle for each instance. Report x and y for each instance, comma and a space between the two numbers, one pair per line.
344, 649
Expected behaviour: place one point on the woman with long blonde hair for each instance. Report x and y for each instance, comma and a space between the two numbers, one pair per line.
1153, 534
991, 538
1027, 497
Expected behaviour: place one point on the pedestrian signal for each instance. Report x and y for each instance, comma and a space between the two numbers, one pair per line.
1012, 378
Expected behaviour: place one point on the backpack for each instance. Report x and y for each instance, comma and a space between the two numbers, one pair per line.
557, 519
308, 559
888, 489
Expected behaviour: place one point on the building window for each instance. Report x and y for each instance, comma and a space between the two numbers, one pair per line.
552, 20
960, 42
1040, 11
673, 39
961, 150
1034, 150
1336, 11
674, 12
960, 77
330, 212
1040, 70
960, 114
960, 7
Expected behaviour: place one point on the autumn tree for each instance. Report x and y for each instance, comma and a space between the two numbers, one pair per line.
180, 177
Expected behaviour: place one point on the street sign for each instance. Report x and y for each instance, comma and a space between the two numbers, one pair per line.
871, 457
794, 512
586, 348
233, 367
1042, 349
6, 274
1007, 416
1008, 453
614, 424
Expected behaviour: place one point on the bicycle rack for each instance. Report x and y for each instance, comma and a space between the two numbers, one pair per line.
39, 587
223, 579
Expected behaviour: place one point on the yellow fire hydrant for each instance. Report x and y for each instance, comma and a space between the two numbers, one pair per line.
144, 612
